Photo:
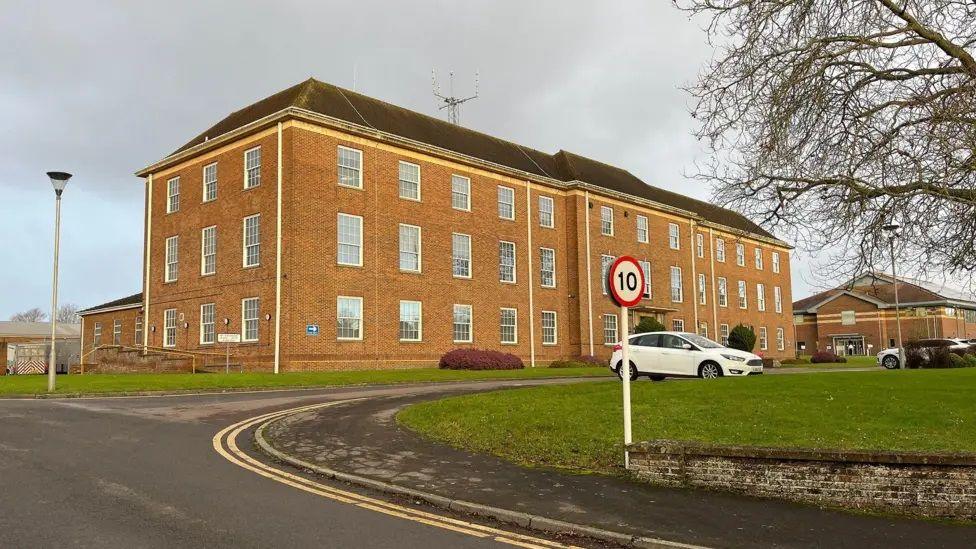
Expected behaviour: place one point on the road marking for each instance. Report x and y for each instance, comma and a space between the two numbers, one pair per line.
225, 444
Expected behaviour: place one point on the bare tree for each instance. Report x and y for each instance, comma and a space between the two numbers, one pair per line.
68, 313
827, 119
30, 315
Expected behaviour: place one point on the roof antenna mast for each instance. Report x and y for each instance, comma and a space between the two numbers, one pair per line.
451, 102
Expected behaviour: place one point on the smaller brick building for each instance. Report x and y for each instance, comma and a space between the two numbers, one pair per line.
117, 323
859, 317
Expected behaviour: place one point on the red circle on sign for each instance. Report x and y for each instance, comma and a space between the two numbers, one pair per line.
619, 279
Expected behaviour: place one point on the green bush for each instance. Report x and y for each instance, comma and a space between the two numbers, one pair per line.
793, 361
742, 338
956, 361
649, 324
969, 360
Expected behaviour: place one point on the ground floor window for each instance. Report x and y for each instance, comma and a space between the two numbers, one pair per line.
410, 321
763, 340
96, 335
207, 324
678, 325
724, 332
462, 324
117, 332
508, 325
138, 331
349, 318
169, 328
548, 327
780, 339
609, 329
249, 318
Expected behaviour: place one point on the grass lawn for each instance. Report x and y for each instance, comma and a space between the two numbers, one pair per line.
115, 383
579, 426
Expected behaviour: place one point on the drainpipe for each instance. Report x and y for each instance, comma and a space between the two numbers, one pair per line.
711, 259
528, 224
694, 277
148, 261
277, 340
589, 269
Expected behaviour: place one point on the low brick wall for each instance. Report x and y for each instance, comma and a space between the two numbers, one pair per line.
924, 485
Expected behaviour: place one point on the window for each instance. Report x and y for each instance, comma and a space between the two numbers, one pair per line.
778, 299
169, 328
350, 163
460, 193
546, 212
409, 181
720, 250
759, 259
678, 325
724, 331
349, 318
138, 331
642, 229
461, 255
506, 261
700, 245
743, 300
761, 296
506, 203
210, 182
252, 168
350, 239
677, 292
606, 261
703, 329
508, 326
409, 248
97, 335
172, 259
969, 315
674, 236
462, 324
780, 339
410, 321
740, 255
776, 262
646, 267
173, 195
252, 240
549, 330
208, 251
547, 267
117, 332
249, 318
208, 330
606, 220
723, 292
763, 340
701, 288
609, 329
848, 318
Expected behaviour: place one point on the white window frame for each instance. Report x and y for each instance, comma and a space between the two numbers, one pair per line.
358, 155
455, 323
723, 292
611, 329
743, 295
501, 326
700, 245
247, 170
643, 232
763, 339
759, 258
555, 328
169, 338
401, 180
203, 251
171, 268
505, 190
420, 321
96, 335
702, 298
740, 254
542, 267
420, 248
117, 331
204, 324
514, 279
780, 339
455, 257
646, 267
724, 334
359, 319
703, 328
455, 178
674, 236
173, 195
257, 244
207, 185
606, 221
760, 296
137, 335
606, 261
778, 299
720, 250
245, 320
547, 217
775, 260
358, 245
679, 288
678, 325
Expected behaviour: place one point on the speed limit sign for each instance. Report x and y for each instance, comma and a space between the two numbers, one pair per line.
626, 281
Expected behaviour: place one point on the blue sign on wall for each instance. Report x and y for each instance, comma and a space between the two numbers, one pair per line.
311, 329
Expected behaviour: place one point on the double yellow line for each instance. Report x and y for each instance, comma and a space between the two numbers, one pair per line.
225, 443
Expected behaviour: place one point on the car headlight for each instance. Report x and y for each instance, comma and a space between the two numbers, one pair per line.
734, 358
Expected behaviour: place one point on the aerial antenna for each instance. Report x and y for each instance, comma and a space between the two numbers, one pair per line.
451, 102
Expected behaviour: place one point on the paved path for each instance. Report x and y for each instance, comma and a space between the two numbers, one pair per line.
362, 438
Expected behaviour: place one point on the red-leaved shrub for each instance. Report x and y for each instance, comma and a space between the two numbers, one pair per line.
479, 359
825, 357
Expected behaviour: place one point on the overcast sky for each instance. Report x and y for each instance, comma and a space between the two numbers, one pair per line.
101, 89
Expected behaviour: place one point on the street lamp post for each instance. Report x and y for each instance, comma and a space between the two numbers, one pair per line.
893, 229
58, 181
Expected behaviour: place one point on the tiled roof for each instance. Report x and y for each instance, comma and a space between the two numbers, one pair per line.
329, 100
879, 287
134, 299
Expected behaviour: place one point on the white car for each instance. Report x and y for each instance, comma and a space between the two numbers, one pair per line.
680, 354
891, 358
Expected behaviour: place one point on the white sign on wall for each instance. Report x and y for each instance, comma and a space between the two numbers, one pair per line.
228, 338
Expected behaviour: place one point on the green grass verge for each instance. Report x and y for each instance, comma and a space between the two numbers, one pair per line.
852, 362
120, 383
579, 426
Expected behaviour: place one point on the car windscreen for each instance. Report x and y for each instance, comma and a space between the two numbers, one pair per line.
701, 342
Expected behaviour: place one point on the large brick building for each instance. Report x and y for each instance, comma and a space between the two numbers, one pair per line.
859, 315
334, 230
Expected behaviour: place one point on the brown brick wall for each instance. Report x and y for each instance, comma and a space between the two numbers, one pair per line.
107, 319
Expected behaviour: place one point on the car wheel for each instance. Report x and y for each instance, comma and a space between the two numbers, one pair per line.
633, 372
709, 370
890, 362
656, 377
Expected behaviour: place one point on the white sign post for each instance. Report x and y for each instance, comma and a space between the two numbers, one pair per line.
626, 288
228, 339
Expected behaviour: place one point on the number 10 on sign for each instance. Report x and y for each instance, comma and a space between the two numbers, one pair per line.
626, 282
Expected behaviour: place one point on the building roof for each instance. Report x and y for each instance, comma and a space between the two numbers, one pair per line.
28, 331
879, 288
134, 300
351, 107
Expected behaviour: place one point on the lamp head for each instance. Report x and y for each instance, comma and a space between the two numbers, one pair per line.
59, 180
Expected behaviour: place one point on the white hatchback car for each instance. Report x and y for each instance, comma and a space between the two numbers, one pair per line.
680, 354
